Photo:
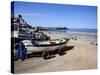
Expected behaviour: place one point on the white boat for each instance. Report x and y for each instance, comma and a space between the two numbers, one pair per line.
44, 46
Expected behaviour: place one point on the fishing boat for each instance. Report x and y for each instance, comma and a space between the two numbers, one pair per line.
28, 39
44, 46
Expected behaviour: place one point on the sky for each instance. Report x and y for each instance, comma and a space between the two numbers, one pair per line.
53, 15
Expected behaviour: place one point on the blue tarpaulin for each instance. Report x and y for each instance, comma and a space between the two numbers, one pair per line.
21, 52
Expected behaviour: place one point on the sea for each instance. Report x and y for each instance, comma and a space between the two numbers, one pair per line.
77, 30
82, 30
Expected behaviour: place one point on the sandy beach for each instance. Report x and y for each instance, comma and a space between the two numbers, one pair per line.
80, 54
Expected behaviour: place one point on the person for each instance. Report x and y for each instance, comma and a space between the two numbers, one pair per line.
21, 52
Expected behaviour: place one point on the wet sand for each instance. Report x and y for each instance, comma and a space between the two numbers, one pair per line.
80, 54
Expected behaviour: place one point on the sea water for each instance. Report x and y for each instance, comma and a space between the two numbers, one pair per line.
82, 30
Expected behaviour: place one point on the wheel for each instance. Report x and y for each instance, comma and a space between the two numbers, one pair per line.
60, 52
45, 55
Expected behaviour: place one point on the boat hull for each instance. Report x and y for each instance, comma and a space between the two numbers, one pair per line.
44, 45
45, 48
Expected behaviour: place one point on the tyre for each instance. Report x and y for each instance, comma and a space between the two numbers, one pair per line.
45, 55
60, 52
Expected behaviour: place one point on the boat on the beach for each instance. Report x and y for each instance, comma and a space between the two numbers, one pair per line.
45, 47
27, 39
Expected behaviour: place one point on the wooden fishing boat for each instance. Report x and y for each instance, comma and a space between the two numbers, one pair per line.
44, 46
